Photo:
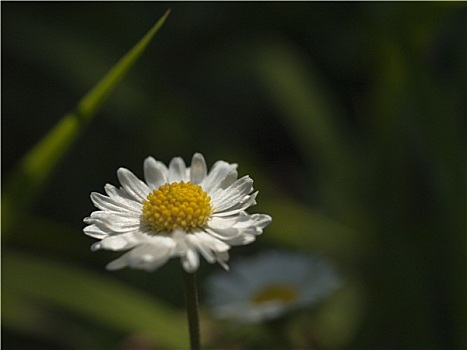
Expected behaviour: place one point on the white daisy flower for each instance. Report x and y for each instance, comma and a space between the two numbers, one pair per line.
270, 284
178, 211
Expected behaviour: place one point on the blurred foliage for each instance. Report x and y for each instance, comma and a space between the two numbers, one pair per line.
349, 116
35, 167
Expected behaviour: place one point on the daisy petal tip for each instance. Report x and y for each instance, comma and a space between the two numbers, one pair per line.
115, 265
250, 238
190, 261
122, 170
149, 159
189, 268
224, 265
96, 246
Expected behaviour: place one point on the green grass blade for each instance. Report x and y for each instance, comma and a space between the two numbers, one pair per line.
94, 296
91, 102
32, 172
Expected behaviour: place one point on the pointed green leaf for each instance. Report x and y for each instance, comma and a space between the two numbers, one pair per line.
30, 176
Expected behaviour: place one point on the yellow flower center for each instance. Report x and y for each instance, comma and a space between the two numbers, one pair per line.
277, 293
177, 205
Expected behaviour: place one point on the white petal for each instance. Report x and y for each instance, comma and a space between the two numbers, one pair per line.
231, 177
147, 257
262, 220
155, 173
241, 206
238, 229
125, 217
213, 243
181, 242
118, 242
120, 196
177, 170
258, 221
113, 221
201, 247
132, 185
94, 231
189, 244
198, 168
219, 172
112, 204
190, 260
222, 258
223, 223
207, 245
119, 263
243, 239
230, 236
223, 199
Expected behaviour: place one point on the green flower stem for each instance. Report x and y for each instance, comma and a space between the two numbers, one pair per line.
191, 299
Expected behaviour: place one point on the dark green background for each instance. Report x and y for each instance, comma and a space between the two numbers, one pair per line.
372, 138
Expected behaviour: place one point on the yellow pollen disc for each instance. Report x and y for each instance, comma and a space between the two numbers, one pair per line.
276, 293
177, 205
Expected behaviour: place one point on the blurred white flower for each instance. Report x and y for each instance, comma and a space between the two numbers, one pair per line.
270, 284
178, 211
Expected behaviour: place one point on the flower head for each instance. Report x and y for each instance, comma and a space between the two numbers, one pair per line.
270, 284
178, 211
